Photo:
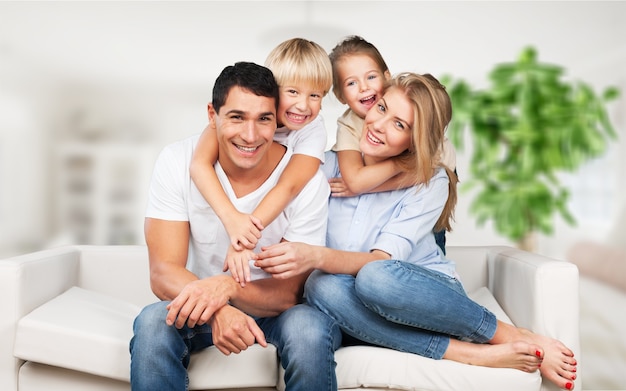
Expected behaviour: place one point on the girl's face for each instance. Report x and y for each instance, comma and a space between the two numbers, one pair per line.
298, 105
388, 127
362, 82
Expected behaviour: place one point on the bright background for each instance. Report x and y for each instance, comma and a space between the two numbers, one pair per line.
91, 91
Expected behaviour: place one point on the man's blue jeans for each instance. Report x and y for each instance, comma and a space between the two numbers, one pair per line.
401, 306
305, 339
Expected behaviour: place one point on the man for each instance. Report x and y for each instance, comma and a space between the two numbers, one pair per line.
201, 306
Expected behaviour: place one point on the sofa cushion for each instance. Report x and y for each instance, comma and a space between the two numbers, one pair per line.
89, 332
361, 366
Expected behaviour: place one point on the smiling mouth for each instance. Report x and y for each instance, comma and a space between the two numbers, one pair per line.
368, 100
373, 139
246, 149
296, 117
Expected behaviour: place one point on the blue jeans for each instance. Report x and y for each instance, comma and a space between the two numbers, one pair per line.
305, 339
401, 306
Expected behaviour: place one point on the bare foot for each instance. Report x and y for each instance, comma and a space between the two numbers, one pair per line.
559, 364
518, 355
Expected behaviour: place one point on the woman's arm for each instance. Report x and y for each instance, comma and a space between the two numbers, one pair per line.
288, 259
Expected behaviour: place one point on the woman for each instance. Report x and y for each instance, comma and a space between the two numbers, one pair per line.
382, 277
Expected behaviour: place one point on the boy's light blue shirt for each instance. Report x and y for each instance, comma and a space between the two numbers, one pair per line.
398, 222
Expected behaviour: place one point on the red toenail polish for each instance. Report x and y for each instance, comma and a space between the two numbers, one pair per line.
574, 370
537, 353
574, 377
569, 386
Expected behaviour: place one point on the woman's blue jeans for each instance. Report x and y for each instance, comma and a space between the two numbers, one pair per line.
305, 339
401, 306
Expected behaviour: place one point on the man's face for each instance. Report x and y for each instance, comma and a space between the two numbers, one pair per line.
245, 127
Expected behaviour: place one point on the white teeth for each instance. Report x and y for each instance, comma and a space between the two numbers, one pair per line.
373, 139
367, 99
297, 117
246, 149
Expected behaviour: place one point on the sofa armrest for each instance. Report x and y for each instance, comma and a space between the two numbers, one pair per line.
537, 293
26, 282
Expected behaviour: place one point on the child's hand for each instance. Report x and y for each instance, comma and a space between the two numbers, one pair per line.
338, 188
238, 262
244, 230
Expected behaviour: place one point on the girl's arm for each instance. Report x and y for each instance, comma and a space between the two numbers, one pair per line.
297, 174
359, 178
241, 228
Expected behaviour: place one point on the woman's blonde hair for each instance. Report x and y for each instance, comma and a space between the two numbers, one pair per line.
432, 111
300, 61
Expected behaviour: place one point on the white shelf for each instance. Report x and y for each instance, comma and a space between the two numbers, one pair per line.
101, 191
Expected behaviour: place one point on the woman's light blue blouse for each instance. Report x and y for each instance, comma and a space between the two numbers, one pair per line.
398, 222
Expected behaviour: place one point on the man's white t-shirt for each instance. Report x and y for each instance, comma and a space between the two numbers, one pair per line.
173, 196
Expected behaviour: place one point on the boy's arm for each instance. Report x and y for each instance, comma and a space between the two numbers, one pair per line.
240, 227
297, 174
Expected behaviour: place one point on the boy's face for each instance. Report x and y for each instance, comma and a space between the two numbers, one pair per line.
245, 128
298, 105
362, 82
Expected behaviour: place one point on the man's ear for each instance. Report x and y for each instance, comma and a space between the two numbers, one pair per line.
211, 113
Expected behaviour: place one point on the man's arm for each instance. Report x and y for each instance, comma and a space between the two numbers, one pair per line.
194, 301
167, 251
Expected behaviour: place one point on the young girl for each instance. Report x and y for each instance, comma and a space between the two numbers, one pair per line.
380, 277
303, 72
359, 76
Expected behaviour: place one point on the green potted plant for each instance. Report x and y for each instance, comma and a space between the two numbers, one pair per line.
525, 128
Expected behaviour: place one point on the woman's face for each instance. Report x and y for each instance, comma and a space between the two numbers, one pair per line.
388, 127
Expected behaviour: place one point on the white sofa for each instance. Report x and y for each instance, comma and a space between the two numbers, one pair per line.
67, 318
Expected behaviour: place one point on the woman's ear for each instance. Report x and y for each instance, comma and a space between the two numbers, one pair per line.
387, 75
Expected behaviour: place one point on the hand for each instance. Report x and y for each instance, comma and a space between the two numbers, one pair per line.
238, 262
287, 259
198, 301
233, 331
338, 188
244, 230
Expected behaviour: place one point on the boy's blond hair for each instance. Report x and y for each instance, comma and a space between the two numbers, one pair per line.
300, 61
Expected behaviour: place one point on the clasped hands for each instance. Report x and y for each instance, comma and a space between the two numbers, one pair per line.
206, 301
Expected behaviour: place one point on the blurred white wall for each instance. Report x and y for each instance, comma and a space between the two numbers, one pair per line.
109, 75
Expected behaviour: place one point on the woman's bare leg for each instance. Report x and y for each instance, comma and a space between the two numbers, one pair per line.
521, 349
